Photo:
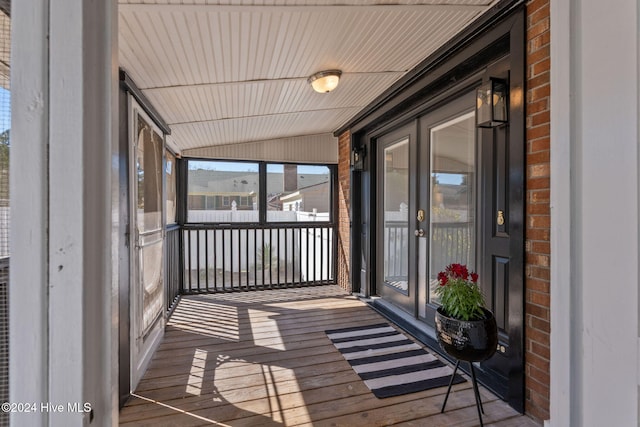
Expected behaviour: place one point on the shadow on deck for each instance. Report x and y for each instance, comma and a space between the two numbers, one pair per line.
263, 359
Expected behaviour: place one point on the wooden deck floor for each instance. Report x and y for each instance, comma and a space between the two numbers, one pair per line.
263, 359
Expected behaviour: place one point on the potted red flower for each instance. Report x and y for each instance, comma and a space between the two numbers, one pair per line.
466, 329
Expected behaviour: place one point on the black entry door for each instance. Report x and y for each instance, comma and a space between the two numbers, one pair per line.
502, 248
471, 186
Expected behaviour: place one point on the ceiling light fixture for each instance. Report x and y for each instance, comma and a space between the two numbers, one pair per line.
325, 81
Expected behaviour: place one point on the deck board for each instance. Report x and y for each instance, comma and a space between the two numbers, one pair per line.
263, 359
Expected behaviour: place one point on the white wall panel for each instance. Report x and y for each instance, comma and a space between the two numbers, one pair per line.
305, 149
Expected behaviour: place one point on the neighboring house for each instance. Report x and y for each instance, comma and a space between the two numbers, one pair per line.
217, 190
558, 249
313, 198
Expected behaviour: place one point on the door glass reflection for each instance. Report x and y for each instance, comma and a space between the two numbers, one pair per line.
396, 215
452, 194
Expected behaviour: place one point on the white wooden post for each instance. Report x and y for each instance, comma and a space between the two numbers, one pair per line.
594, 213
63, 329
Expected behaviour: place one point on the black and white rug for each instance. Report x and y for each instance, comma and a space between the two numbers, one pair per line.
388, 362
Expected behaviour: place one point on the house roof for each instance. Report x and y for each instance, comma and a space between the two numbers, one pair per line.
211, 181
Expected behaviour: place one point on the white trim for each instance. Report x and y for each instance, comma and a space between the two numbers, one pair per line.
594, 232
561, 201
28, 302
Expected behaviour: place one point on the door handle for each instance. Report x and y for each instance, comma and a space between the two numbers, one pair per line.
500, 218
419, 232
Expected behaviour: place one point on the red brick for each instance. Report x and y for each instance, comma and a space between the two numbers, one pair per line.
538, 209
538, 106
537, 310
538, 93
541, 286
538, 132
541, 67
539, 41
540, 26
535, 5
536, 334
539, 170
538, 15
537, 272
539, 196
540, 118
538, 157
539, 55
540, 144
541, 247
540, 324
538, 183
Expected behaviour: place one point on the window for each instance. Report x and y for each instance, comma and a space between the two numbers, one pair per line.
298, 193
230, 182
226, 192
170, 171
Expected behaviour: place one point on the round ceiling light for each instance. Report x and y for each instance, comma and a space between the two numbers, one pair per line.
325, 81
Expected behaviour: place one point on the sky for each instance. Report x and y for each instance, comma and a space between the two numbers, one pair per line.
5, 110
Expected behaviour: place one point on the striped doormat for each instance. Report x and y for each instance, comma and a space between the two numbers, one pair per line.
388, 362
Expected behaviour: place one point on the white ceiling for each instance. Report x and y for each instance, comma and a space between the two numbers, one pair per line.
231, 72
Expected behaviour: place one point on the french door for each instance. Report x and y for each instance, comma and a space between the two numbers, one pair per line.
445, 195
147, 272
396, 246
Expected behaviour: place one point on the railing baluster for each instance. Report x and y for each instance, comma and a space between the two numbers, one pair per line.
224, 259
300, 257
255, 258
206, 259
215, 260
231, 260
278, 261
189, 258
314, 267
286, 258
262, 258
198, 258
271, 258
246, 239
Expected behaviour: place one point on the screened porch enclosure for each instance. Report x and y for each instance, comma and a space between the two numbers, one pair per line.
244, 226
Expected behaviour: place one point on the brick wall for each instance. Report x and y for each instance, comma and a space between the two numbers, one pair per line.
538, 250
344, 199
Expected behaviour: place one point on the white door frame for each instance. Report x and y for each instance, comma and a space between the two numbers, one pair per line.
143, 344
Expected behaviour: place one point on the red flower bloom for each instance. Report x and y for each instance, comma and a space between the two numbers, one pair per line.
474, 277
442, 278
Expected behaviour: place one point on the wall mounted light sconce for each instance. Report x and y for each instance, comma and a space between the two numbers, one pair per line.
357, 158
492, 104
325, 81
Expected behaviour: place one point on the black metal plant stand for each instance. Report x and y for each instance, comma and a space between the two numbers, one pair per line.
470, 340
476, 392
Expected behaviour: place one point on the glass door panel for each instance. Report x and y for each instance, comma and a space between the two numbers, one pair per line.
396, 215
452, 228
